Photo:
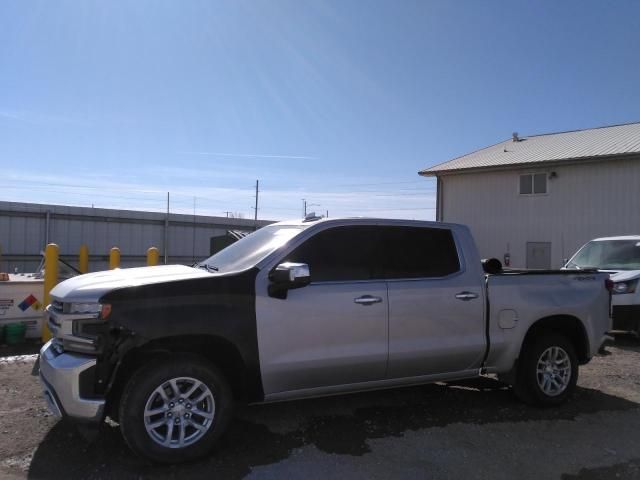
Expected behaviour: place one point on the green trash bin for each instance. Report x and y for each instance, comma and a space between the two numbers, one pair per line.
14, 333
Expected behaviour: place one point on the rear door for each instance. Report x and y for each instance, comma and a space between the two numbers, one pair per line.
436, 317
333, 331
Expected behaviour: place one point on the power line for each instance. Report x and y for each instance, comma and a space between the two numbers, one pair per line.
255, 218
227, 198
92, 194
281, 208
389, 209
213, 203
379, 183
338, 192
402, 194
127, 190
159, 199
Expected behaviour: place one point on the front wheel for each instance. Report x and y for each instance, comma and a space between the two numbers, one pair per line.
175, 410
547, 371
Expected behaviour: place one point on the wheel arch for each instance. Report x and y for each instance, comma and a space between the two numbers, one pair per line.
215, 349
567, 325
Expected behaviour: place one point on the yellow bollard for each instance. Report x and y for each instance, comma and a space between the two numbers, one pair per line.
50, 280
114, 258
83, 261
153, 256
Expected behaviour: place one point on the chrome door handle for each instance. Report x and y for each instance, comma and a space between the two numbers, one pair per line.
367, 300
466, 296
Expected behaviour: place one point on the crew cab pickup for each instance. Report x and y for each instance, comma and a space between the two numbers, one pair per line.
304, 309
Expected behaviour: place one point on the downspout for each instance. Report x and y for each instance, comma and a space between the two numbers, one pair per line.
47, 224
439, 197
166, 233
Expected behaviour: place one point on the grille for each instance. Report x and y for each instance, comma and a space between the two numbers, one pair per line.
53, 326
57, 306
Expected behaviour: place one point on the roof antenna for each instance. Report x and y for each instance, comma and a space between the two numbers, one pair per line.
515, 137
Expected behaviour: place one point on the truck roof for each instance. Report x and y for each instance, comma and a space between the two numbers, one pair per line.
623, 237
366, 220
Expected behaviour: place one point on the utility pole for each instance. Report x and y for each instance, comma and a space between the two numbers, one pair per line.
47, 228
306, 205
227, 214
193, 246
327, 214
166, 232
255, 215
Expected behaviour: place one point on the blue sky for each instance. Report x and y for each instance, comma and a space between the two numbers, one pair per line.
339, 102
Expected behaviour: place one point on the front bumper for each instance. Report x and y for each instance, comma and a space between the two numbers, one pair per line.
60, 378
626, 318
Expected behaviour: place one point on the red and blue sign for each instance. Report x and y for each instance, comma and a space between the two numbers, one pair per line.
27, 302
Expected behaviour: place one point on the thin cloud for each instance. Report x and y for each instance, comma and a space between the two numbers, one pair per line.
40, 118
251, 155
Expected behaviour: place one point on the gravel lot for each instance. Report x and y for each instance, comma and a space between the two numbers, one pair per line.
457, 430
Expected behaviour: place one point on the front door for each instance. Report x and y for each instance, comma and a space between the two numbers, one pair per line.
334, 331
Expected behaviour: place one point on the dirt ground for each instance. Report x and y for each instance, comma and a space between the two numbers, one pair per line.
473, 429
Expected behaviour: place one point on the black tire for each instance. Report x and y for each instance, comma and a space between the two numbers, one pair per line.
145, 382
527, 383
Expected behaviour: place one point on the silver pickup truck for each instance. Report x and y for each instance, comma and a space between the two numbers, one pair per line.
309, 308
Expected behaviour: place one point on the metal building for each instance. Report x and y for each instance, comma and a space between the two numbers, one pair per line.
533, 201
26, 228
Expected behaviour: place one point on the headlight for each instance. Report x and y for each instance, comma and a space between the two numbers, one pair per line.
625, 287
87, 333
85, 308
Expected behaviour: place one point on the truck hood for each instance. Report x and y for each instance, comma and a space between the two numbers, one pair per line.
616, 275
91, 286
624, 276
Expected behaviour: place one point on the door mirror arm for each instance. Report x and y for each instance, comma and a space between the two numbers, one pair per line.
288, 276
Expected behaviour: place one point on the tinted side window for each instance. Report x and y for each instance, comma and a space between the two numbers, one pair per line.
338, 254
414, 252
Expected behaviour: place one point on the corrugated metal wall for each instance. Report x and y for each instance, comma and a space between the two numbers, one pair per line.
584, 201
26, 228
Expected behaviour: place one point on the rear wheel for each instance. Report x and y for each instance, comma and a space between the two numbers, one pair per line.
175, 410
547, 371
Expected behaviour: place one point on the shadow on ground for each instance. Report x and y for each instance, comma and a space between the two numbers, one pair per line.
24, 348
620, 471
267, 434
626, 341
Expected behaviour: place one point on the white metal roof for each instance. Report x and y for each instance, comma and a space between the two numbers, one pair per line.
553, 147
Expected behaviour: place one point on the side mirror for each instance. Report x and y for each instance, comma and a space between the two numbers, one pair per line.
288, 276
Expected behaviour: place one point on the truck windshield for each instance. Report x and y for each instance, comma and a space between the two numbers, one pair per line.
248, 251
608, 255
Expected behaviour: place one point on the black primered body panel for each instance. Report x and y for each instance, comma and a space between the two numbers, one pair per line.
220, 305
